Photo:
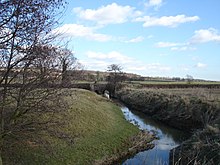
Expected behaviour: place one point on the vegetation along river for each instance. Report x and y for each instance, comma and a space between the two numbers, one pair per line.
169, 138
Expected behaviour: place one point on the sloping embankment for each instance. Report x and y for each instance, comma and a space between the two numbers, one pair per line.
186, 113
182, 112
88, 129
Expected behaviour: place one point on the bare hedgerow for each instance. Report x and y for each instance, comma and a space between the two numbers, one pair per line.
28, 60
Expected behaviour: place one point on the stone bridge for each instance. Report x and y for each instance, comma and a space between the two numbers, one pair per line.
95, 87
101, 87
98, 88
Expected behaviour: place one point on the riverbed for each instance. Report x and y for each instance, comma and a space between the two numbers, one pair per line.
168, 138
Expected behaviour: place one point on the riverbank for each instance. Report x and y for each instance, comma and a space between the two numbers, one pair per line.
203, 148
139, 143
190, 112
167, 139
89, 129
181, 111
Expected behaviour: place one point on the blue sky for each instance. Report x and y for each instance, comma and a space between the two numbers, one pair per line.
167, 38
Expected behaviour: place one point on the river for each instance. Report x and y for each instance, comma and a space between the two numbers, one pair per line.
169, 138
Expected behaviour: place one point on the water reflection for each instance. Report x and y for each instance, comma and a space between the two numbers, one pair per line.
169, 138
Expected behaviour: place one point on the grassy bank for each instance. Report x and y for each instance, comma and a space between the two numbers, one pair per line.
91, 128
186, 109
203, 148
183, 110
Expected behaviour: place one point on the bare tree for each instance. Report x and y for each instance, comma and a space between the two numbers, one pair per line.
116, 76
189, 79
68, 62
26, 58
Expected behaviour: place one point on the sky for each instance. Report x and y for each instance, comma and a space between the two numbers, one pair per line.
165, 38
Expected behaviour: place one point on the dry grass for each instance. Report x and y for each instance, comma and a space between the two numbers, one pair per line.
184, 109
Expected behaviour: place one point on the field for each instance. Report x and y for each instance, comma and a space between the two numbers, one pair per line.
91, 129
174, 82
202, 93
205, 90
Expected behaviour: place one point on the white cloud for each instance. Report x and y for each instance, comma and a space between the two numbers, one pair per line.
76, 30
183, 48
154, 3
175, 46
195, 58
153, 67
95, 64
150, 36
205, 35
168, 21
113, 57
110, 14
100, 61
135, 40
201, 65
185, 69
200, 36
166, 44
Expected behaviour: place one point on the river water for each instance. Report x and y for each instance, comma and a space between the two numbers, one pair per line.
169, 138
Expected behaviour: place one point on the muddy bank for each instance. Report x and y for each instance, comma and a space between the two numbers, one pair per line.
184, 113
139, 143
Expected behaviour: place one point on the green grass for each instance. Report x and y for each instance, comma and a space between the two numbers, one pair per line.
92, 128
174, 82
